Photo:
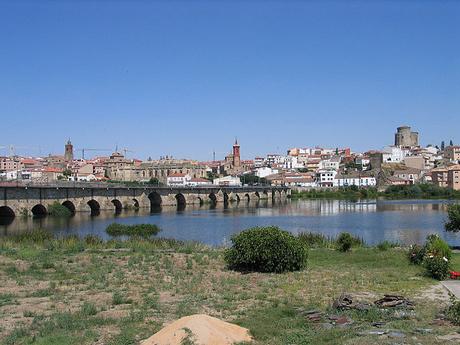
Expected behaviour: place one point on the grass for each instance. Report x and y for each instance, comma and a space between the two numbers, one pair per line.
142, 230
123, 291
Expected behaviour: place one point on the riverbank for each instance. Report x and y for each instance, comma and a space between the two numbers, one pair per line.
72, 291
406, 192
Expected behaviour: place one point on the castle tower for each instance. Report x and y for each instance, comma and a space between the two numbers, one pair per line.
68, 153
236, 154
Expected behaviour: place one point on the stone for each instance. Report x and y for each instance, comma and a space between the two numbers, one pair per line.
396, 334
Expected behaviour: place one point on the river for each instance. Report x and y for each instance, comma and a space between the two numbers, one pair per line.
406, 222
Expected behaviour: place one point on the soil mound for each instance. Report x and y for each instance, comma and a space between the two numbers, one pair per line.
202, 330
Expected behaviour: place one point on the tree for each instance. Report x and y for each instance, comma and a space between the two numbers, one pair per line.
443, 145
451, 143
154, 181
67, 172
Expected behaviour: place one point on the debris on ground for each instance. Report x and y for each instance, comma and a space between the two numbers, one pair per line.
202, 330
345, 302
392, 301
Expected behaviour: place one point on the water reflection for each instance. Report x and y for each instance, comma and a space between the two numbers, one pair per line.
374, 221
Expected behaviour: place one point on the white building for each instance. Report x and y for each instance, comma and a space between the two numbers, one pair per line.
292, 162
227, 181
197, 182
393, 154
326, 178
330, 164
259, 162
265, 171
355, 180
177, 179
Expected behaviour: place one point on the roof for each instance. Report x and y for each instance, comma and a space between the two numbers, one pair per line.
177, 175
55, 170
198, 179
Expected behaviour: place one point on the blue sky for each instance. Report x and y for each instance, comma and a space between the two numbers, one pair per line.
184, 78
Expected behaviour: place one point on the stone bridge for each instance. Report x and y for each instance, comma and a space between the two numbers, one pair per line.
35, 200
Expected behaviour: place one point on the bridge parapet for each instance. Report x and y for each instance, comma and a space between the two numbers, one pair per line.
31, 199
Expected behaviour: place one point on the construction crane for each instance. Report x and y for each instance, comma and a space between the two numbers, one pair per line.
90, 149
12, 148
125, 150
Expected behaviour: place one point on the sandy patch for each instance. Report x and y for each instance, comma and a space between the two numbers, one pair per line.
202, 329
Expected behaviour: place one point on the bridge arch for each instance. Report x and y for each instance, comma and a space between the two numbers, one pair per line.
118, 206
155, 200
39, 211
70, 206
237, 197
213, 198
265, 194
257, 195
180, 201
136, 204
94, 206
247, 197
225, 197
6, 212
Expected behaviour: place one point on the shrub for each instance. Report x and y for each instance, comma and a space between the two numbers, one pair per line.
435, 246
416, 254
88, 309
35, 236
453, 311
93, 240
142, 230
314, 240
266, 249
453, 214
437, 267
385, 245
58, 210
346, 240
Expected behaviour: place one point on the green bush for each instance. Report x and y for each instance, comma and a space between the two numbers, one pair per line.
142, 230
58, 210
453, 214
453, 311
266, 249
435, 246
416, 254
346, 240
437, 267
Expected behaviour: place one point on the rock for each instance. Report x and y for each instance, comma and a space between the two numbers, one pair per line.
327, 325
450, 337
391, 301
202, 329
396, 334
402, 314
372, 332
345, 302
423, 330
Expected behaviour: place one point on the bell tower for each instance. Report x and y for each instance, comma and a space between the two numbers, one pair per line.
236, 154
68, 153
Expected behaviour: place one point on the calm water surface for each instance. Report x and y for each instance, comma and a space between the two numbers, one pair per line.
374, 221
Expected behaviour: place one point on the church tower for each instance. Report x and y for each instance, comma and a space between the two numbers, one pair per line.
68, 153
236, 154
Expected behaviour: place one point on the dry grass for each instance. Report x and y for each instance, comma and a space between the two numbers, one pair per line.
99, 296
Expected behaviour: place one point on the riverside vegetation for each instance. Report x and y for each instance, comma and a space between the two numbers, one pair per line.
72, 290
417, 191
